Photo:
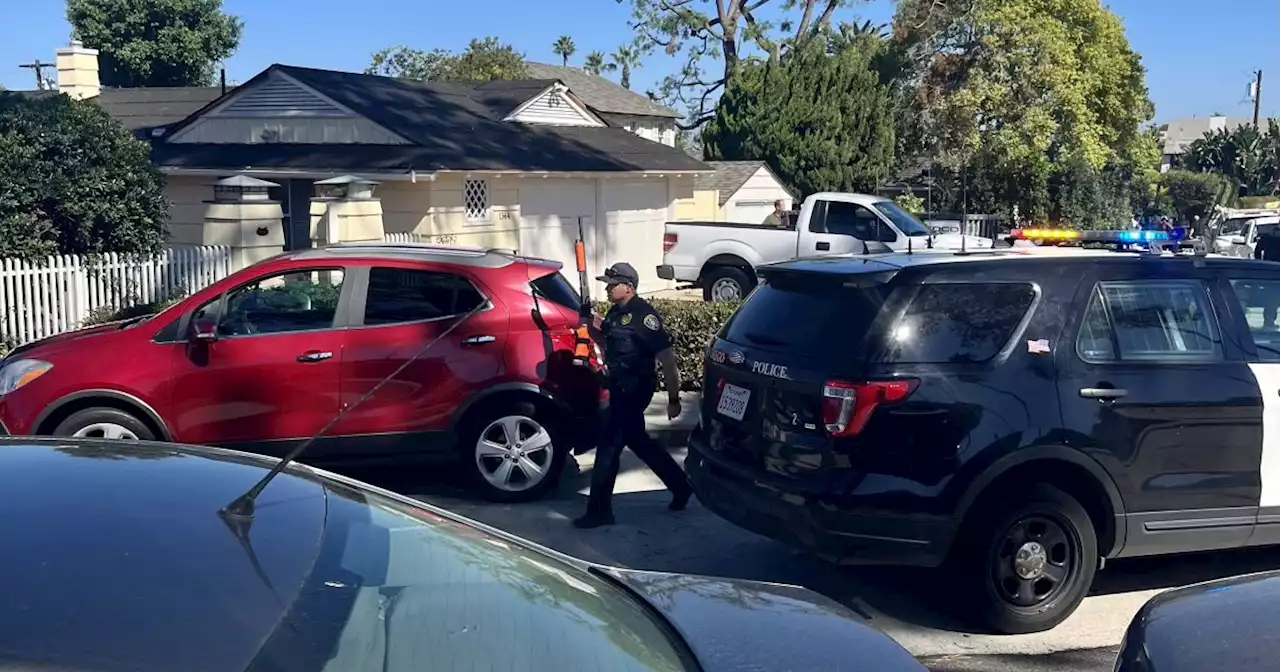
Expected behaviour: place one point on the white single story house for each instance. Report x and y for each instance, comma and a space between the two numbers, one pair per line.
738, 191
510, 164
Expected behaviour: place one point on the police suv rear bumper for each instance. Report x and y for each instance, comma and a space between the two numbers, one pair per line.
800, 520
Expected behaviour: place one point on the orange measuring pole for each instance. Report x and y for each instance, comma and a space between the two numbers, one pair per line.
582, 336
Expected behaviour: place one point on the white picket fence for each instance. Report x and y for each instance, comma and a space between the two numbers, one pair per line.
43, 299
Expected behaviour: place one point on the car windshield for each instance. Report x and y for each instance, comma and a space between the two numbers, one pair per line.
1234, 226
397, 588
905, 221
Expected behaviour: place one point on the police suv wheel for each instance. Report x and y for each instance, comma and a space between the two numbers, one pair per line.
725, 283
512, 453
1026, 561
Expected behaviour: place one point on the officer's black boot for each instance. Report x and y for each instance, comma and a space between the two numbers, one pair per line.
680, 498
593, 519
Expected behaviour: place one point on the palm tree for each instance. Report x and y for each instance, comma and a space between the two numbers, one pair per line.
595, 63
625, 58
564, 47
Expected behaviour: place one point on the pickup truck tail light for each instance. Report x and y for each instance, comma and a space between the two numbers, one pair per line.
846, 406
669, 241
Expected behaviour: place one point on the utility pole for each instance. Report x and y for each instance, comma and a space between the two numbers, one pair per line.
38, 68
1257, 96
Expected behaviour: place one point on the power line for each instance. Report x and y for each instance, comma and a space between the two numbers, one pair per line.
38, 68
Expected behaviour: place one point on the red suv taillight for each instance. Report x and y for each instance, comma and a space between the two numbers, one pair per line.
846, 407
669, 241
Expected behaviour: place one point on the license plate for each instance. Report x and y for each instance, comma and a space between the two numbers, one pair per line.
733, 401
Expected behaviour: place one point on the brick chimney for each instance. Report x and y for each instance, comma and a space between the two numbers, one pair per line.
78, 71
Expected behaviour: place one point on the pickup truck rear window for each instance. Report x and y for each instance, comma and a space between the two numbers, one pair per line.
805, 317
957, 323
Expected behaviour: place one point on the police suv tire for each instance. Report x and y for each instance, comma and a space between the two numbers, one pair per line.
529, 417
989, 545
723, 274
104, 422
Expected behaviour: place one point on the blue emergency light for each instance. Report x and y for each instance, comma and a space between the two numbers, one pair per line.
1122, 236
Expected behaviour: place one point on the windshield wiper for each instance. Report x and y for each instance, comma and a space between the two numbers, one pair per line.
242, 507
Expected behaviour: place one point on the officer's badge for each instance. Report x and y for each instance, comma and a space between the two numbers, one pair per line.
626, 319
651, 321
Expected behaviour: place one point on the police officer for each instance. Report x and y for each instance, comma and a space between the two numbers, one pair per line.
633, 338
1267, 245
1267, 248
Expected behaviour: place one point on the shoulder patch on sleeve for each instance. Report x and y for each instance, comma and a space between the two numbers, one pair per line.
651, 321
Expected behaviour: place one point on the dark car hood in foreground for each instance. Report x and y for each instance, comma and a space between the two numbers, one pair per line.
115, 557
1231, 624
737, 625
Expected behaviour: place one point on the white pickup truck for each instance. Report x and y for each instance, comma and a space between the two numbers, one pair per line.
721, 257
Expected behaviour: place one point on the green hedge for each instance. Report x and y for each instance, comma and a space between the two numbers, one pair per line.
691, 325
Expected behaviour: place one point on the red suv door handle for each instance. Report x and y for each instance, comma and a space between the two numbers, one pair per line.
477, 340
314, 356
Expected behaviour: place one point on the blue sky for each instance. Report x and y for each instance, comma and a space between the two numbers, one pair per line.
1199, 55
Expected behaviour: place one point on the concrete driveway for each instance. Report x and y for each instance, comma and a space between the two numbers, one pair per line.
908, 605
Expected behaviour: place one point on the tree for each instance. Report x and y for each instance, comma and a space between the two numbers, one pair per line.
1244, 155
1026, 89
595, 63
564, 48
1194, 194
821, 119
155, 42
76, 181
712, 37
625, 58
483, 60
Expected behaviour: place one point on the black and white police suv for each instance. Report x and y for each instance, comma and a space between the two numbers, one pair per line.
1015, 416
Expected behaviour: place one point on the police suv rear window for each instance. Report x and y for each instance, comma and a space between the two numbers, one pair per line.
957, 323
805, 316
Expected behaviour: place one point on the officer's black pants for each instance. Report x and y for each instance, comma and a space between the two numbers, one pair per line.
624, 426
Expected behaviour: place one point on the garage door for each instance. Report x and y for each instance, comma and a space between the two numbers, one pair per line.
636, 216
549, 215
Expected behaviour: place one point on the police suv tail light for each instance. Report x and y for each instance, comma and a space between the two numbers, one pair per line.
846, 406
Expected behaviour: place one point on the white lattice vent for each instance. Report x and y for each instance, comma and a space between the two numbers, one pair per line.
475, 197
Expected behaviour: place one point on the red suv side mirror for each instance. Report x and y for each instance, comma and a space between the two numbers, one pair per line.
204, 330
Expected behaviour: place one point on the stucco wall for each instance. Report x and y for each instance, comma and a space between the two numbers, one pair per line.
702, 206
187, 196
753, 201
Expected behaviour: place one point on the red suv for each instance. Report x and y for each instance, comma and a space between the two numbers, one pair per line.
269, 356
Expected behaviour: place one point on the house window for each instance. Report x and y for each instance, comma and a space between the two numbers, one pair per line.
475, 197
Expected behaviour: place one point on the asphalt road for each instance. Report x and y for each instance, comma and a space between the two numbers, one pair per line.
909, 605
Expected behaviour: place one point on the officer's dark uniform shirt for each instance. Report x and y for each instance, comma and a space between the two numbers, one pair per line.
1267, 247
633, 337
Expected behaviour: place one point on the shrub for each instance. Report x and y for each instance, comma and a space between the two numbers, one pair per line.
691, 325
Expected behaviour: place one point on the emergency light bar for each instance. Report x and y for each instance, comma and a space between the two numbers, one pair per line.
1113, 236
